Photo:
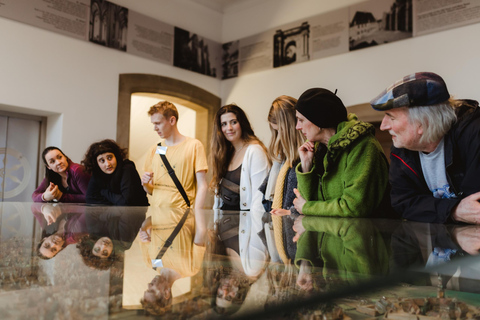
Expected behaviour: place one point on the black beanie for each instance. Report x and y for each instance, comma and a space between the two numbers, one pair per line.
321, 107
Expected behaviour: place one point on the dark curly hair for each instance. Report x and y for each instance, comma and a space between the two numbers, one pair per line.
90, 159
85, 246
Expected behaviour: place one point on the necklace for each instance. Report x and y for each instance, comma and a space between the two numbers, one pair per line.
238, 151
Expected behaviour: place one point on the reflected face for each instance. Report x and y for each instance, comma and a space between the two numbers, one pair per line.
107, 162
404, 134
226, 292
56, 161
157, 289
52, 245
103, 248
308, 129
231, 127
161, 125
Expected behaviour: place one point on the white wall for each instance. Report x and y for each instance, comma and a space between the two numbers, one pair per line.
75, 83
360, 75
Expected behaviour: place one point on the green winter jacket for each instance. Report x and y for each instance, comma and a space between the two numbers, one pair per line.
350, 250
355, 174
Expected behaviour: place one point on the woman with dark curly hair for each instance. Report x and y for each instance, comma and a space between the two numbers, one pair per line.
115, 180
97, 252
111, 231
65, 181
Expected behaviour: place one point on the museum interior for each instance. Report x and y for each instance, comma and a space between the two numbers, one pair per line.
77, 72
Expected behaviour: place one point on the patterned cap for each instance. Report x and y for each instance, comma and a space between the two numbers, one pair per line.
415, 90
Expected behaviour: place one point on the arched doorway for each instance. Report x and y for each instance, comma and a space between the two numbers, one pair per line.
204, 103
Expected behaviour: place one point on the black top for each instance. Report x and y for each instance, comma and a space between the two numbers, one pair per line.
121, 188
229, 189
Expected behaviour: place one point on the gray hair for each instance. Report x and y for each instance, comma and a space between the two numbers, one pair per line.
435, 120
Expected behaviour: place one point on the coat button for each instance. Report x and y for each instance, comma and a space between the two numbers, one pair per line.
244, 214
244, 188
243, 231
244, 204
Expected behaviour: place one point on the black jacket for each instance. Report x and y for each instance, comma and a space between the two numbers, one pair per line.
410, 194
122, 188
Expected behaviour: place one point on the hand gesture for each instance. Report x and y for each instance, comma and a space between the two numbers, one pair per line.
299, 201
468, 210
147, 178
57, 194
468, 237
52, 192
280, 212
305, 279
50, 213
146, 230
298, 228
306, 152
144, 235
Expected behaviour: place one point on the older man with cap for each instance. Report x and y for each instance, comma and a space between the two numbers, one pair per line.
435, 157
343, 170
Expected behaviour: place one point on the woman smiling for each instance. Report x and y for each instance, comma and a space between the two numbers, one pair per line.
65, 181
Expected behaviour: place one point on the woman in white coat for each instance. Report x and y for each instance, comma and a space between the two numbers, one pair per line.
239, 160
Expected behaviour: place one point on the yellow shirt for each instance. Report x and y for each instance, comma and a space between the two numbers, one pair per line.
183, 255
186, 158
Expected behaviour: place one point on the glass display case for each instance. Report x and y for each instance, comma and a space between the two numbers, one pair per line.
73, 261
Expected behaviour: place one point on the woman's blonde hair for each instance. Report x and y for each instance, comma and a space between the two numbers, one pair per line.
287, 139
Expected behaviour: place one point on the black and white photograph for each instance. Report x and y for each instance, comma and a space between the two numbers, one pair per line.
230, 59
195, 53
108, 24
378, 22
291, 45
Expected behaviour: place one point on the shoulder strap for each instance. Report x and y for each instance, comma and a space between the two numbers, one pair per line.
172, 174
172, 236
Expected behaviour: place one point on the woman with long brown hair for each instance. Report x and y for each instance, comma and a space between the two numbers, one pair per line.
239, 161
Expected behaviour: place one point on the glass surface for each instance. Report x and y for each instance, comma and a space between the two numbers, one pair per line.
230, 264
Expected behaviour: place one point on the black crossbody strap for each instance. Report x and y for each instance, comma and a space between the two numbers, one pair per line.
172, 236
172, 174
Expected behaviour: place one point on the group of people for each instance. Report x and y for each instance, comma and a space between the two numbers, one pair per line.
321, 160
105, 177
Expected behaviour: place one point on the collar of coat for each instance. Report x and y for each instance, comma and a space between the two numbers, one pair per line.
348, 132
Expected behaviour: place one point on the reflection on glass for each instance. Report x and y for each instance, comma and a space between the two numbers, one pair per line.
182, 259
228, 271
348, 250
